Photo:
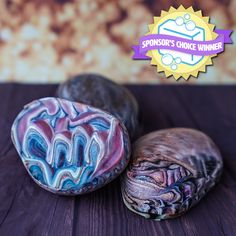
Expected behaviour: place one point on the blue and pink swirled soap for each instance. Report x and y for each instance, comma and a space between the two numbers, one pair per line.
68, 147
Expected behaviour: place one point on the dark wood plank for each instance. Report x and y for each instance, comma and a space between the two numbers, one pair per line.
26, 209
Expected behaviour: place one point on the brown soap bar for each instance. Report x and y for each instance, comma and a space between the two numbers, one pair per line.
170, 171
98, 91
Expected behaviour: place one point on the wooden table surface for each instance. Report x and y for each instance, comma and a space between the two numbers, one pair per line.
26, 209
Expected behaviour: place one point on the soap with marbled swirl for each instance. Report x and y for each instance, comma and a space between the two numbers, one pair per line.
70, 148
169, 172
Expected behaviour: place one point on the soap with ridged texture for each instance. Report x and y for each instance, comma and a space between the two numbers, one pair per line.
169, 172
70, 148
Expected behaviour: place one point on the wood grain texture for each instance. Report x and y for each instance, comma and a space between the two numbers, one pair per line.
26, 209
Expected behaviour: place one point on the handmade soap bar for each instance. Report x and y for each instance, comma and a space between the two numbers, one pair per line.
170, 171
100, 92
70, 148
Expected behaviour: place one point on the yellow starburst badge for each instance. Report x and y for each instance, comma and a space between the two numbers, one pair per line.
181, 43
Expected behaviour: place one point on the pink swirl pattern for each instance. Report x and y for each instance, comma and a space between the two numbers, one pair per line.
70, 148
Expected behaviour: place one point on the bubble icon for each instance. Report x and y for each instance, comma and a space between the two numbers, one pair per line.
190, 25
178, 60
186, 16
179, 20
167, 59
174, 67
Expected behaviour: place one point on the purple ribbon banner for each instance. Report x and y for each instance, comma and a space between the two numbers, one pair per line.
192, 47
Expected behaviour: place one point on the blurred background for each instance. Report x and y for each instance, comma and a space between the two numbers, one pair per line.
47, 41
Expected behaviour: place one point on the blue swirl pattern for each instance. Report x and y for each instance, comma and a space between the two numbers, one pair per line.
70, 148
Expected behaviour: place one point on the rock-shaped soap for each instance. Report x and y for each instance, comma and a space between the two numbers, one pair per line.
98, 91
169, 172
70, 148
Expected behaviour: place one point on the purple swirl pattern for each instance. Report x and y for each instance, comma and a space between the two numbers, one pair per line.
170, 171
70, 148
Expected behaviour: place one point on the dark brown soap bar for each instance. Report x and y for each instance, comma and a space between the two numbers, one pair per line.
170, 171
100, 92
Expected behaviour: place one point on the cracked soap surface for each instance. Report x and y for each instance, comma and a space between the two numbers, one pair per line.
70, 148
169, 172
